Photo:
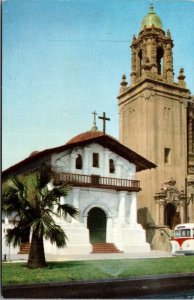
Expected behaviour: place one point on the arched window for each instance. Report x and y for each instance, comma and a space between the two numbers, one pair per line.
78, 164
111, 166
140, 62
160, 55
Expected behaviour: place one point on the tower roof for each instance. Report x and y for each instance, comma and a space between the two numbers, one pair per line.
151, 19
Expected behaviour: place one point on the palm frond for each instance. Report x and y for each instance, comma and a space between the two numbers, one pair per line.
57, 236
17, 204
64, 209
59, 191
15, 184
52, 197
14, 236
13, 200
33, 206
43, 224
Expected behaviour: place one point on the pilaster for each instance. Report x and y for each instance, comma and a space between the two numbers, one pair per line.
86, 155
118, 166
106, 162
73, 157
161, 211
121, 213
133, 209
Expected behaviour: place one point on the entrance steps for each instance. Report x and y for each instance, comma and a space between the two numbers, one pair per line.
105, 248
24, 248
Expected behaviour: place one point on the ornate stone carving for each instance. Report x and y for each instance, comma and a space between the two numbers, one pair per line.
181, 78
170, 194
123, 84
148, 94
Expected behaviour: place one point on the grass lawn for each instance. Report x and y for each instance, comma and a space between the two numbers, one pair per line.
16, 273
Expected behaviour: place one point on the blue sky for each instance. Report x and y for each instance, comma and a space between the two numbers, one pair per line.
63, 59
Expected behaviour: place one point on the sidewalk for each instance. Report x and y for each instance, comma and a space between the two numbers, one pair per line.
51, 257
151, 254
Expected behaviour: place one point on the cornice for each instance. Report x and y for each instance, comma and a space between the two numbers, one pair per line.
156, 84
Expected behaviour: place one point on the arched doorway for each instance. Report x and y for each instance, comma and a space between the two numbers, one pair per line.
171, 216
97, 225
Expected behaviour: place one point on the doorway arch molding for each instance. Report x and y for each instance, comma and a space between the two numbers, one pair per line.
97, 205
169, 197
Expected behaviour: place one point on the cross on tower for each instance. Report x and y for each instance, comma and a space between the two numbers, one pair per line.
104, 121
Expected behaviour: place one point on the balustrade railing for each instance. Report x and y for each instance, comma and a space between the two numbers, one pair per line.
98, 181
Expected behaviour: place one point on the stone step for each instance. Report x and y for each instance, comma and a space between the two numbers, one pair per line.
24, 248
105, 248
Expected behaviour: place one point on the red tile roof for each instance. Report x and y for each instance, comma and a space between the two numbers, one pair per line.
81, 140
86, 136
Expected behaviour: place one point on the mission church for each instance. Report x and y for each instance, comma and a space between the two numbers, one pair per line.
128, 192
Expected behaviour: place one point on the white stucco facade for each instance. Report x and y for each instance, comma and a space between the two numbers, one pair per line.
120, 207
103, 188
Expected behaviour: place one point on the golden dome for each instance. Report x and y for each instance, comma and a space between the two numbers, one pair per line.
151, 19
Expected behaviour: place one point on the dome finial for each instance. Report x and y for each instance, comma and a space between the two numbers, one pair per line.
181, 78
151, 8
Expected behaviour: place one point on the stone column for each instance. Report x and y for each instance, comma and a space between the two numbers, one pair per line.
161, 208
133, 67
157, 212
169, 63
86, 154
182, 213
121, 213
190, 142
138, 63
153, 56
133, 209
190, 211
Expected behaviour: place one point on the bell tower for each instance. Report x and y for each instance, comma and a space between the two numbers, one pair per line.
153, 122
152, 51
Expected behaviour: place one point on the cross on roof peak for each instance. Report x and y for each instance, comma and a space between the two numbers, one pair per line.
104, 118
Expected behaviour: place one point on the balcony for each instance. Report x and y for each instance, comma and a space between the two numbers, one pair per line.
96, 181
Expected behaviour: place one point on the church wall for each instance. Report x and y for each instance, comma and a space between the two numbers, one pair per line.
153, 118
66, 162
120, 207
121, 225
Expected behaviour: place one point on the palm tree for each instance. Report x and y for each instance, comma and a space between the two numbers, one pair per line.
35, 206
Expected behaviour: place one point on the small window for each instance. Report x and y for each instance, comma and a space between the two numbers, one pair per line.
186, 233
111, 166
167, 155
79, 162
96, 160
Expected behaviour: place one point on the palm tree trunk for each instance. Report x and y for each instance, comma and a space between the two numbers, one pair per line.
36, 257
